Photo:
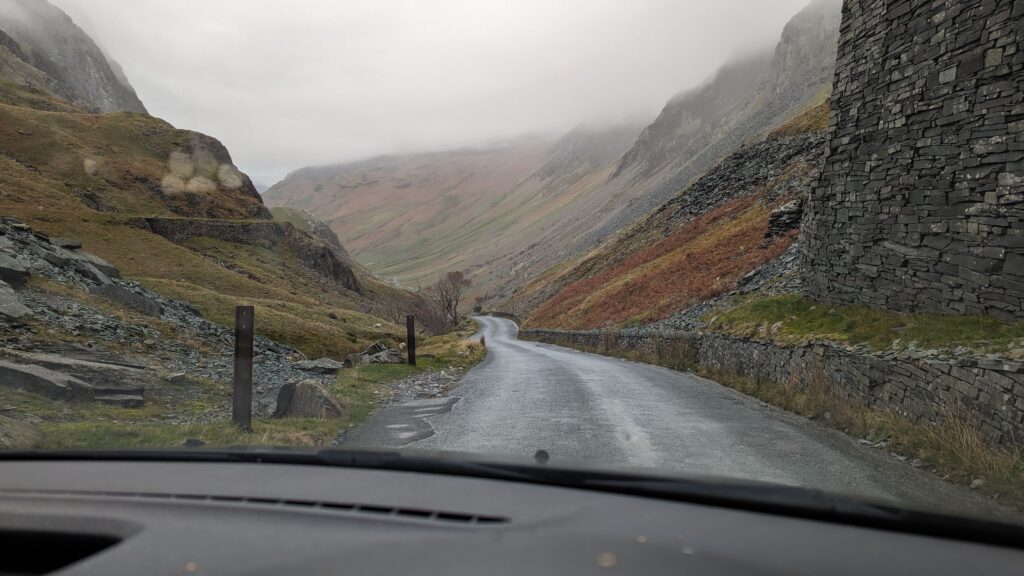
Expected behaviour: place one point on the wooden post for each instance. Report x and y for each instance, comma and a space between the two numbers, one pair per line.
410, 337
241, 397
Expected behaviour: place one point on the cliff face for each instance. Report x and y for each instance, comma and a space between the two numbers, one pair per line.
75, 68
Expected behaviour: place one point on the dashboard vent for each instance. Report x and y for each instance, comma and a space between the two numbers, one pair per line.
348, 508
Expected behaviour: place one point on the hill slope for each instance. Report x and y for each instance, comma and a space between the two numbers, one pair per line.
517, 218
170, 210
700, 244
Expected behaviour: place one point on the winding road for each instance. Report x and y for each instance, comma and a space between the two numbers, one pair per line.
527, 396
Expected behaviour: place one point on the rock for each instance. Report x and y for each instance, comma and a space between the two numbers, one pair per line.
11, 309
13, 272
784, 218
977, 483
39, 380
59, 257
129, 299
385, 357
307, 399
101, 264
6, 244
122, 400
21, 226
66, 243
193, 443
332, 315
98, 377
15, 434
91, 272
353, 360
376, 348
320, 365
177, 378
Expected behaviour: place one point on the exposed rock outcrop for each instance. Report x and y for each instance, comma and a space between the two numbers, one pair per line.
76, 69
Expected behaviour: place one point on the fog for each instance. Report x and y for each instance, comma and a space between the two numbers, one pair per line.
285, 84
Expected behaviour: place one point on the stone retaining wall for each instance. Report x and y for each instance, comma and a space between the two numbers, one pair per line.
322, 259
990, 392
920, 206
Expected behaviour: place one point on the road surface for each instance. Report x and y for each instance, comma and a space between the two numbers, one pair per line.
527, 396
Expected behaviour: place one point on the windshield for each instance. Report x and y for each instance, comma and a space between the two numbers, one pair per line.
779, 242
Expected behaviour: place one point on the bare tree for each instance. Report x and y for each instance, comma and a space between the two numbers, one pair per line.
450, 289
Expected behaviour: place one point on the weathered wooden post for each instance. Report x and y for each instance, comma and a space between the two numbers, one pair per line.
410, 336
241, 396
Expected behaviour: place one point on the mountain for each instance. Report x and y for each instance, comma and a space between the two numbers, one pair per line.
61, 59
737, 220
412, 217
518, 218
166, 207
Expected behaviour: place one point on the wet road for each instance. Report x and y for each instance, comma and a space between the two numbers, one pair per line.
527, 396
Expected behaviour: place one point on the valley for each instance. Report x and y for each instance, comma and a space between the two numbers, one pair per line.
807, 269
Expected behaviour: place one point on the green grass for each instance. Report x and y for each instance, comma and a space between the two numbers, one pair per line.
792, 320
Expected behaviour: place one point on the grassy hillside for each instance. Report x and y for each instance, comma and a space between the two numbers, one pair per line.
488, 211
83, 176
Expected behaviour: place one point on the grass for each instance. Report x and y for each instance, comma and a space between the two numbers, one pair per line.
71, 425
792, 319
953, 448
813, 120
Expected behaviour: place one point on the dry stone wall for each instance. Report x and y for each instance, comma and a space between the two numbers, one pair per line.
920, 206
322, 259
988, 392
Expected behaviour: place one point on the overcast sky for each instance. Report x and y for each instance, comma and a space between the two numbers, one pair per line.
291, 83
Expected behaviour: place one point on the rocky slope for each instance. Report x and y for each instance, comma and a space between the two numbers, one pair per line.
61, 59
731, 230
570, 196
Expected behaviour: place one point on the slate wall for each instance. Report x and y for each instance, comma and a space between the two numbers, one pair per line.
920, 206
988, 392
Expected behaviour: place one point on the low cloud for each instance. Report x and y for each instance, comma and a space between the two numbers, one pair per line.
289, 84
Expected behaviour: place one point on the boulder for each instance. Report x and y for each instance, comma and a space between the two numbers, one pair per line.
307, 399
177, 378
5, 244
376, 348
39, 380
353, 360
320, 365
11, 309
99, 377
59, 257
12, 271
66, 243
385, 357
91, 272
101, 264
129, 299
